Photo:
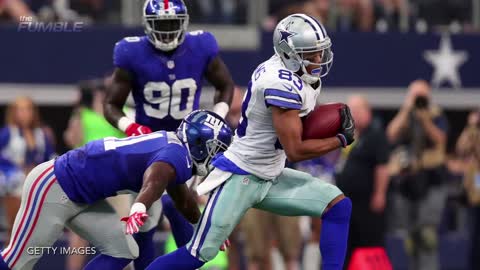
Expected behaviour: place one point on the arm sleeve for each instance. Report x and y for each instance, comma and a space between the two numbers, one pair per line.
177, 156
282, 94
121, 55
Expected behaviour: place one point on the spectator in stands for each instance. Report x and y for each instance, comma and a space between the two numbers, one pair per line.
354, 15
344, 15
364, 178
24, 143
419, 132
14, 10
440, 12
221, 11
320, 9
260, 229
468, 147
390, 14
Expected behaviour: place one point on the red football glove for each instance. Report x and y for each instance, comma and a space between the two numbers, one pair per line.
135, 129
134, 222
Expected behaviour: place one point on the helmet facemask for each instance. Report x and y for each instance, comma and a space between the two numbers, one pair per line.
213, 147
166, 32
296, 62
321, 69
201, 152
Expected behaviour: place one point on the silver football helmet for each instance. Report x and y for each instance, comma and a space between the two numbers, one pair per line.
298, 34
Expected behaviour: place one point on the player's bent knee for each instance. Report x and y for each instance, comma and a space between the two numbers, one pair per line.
208, 253
127, 250
340, 211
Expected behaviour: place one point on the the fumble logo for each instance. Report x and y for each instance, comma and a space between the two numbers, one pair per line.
245, 181
27, 24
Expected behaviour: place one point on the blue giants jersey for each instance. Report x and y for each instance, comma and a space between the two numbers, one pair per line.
104, 167
166, 86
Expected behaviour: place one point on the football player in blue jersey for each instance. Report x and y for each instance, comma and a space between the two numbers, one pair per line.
164, 71
69, 191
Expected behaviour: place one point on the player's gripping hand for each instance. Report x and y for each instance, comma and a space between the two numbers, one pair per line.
137, 218
347, 130
135, 129
131, 128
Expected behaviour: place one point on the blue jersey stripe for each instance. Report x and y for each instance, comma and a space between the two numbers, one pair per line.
242, 126
282, 94
283, 104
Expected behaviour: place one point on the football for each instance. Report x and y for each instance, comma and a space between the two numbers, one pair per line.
323, 122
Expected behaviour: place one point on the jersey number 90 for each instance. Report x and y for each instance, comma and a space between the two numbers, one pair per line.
176, 101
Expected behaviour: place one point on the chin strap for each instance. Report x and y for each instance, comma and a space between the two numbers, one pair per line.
310, 79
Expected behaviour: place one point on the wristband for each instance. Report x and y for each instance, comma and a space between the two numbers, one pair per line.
138, 207
221, 109
343, 140
124, 122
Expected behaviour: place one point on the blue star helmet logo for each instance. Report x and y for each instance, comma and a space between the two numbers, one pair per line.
285, 35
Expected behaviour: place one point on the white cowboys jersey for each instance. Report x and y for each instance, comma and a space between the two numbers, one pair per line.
256, 148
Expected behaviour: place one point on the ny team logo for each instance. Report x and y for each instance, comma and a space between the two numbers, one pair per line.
28, 24
214, 123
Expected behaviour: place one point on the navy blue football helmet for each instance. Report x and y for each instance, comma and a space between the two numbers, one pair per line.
206, 134
165, 23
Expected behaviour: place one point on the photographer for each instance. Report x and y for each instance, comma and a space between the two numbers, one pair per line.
417, 167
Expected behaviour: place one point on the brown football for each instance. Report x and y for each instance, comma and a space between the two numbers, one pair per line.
323, 122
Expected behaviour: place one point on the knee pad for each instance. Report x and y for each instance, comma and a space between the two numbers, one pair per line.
340, 212
127, 250
210, 248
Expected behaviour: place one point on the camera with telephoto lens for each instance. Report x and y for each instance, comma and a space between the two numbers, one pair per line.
421, 102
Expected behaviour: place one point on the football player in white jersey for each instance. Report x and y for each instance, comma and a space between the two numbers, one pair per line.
252, 173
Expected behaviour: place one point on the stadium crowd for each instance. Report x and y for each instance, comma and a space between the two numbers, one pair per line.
339, 15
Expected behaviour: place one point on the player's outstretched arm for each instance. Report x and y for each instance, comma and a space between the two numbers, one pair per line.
185, 202
155, 180
219, 76
116, 96
289, 129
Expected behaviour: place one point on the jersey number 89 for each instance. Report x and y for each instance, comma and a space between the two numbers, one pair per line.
176, 101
